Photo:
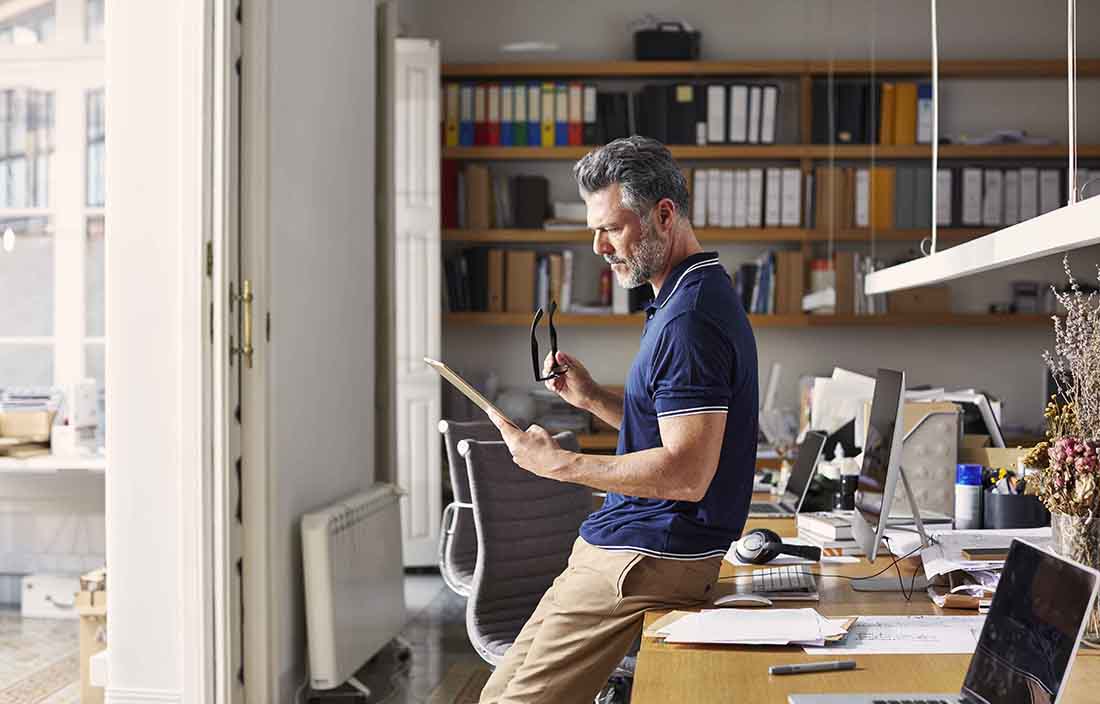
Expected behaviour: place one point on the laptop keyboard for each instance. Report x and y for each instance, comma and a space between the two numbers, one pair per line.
910, 701
764, 508
789, 578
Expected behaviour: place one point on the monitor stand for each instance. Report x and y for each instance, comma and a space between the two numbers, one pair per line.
888, 581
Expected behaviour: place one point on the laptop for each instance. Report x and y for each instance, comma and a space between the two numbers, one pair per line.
1027, 644
808, 453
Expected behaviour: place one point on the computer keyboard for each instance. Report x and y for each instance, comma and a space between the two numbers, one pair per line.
789, 578
760, 507
910, 701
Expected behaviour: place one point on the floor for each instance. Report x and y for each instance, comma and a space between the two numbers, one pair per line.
437, 643
39, 660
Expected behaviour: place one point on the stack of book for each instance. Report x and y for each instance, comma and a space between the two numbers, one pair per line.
753, 197
473, 198
496, 280
996, 197
845, 296
554, 114
858, 112
830, 531
772, 284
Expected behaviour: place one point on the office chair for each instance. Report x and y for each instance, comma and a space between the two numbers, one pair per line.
526, 527
458, 537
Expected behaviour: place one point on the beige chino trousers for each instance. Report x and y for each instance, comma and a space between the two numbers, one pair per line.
587, 621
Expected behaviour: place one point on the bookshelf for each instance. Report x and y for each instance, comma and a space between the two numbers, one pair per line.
765, 152
715, 235
799, 77
635, 320
991, 68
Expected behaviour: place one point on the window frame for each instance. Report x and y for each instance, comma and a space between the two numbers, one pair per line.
69, 67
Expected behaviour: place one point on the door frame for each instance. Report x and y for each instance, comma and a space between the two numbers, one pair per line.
216, 510
256, 502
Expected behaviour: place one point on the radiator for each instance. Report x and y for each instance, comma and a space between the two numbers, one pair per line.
354, 582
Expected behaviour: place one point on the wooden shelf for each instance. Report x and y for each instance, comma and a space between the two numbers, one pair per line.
713, 235
1007, 68
764, 152
772, 321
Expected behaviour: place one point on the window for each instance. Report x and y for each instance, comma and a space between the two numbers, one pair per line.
33, 26
52, 194
93, 21
96, 144
26, 136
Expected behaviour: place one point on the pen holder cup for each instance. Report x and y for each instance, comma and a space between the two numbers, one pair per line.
1013, 511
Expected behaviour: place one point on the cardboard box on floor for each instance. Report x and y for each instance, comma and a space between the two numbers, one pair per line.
92, 608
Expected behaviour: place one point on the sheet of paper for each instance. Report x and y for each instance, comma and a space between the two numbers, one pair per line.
945, 555
752, 627
886, 635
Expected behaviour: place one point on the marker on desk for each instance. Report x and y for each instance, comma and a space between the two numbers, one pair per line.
812, 667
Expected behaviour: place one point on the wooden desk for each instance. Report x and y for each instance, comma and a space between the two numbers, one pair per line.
706, 673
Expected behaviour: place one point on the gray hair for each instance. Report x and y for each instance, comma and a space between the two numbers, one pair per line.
643, 168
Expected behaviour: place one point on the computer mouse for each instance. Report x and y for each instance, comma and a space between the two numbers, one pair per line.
745, 601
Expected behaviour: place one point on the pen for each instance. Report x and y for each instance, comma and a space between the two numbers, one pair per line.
812, 667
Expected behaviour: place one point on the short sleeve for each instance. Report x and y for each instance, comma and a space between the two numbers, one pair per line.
692, 368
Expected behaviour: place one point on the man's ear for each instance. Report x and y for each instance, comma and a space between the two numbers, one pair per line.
666, 212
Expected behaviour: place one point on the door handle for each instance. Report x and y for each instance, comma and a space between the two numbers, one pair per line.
245, 299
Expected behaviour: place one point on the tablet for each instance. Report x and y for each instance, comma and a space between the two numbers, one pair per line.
467, 390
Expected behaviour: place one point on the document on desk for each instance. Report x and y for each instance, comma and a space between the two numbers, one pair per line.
946, 554
752, 627
907, 635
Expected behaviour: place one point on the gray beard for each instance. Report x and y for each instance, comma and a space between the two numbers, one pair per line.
647, 257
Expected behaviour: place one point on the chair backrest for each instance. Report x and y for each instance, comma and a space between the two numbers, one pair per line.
454, 432
460, 548
526, 527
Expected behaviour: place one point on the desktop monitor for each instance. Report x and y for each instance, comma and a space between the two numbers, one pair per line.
881, 461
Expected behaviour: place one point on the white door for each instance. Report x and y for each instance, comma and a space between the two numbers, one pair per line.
417, 296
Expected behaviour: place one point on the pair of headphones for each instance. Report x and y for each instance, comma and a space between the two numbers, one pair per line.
761, 545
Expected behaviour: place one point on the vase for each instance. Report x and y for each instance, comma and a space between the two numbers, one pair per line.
1077, 538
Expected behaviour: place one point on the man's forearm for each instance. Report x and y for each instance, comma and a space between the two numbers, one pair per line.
647, 474
607, 406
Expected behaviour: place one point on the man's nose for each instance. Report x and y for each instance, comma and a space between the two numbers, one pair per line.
601, 245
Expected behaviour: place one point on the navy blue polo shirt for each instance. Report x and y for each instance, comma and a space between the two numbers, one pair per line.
697, 355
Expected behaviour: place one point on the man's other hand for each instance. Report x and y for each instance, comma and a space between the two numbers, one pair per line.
575, 386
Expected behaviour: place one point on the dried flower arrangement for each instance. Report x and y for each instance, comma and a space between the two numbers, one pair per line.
1069, 478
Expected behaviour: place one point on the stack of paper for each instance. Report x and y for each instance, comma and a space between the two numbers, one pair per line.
945, 555
879, 635
750, 627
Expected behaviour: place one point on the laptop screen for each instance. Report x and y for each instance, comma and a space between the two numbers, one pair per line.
1030, 634
803, 471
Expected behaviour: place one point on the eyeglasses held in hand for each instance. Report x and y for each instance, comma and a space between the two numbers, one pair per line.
556, 369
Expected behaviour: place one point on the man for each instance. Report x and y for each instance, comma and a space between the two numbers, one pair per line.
679, 487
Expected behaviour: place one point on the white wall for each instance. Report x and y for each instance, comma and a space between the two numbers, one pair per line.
1004, 361
322, 244
155, 328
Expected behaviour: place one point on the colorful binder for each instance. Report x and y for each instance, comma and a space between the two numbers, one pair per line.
450, 115
561, 114
506, 109
547, 122
466, 115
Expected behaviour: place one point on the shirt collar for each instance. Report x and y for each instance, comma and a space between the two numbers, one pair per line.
676, 276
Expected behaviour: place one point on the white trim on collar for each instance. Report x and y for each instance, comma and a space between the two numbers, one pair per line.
693, 267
